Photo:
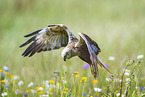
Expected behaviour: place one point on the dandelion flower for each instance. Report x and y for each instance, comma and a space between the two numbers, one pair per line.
63, 91
51, 81
27, 91
95, 81
3, 81
77, 75
39, 88
66, 89
84, 79
59, 84
140, 56
75, 72
50, 89
12, 76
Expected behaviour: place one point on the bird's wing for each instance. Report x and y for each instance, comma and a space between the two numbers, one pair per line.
47, 39
93, 49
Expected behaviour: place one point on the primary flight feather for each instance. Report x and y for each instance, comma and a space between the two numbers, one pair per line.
57, 36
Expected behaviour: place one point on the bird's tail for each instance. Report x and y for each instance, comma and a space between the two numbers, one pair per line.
101, 64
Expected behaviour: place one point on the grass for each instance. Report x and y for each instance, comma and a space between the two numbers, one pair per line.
117, 26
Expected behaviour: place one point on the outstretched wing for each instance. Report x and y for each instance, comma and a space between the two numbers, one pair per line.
93, 50
47, 39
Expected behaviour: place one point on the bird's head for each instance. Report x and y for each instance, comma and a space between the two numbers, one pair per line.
66, 54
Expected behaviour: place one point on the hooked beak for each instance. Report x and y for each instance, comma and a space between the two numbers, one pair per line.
64, 58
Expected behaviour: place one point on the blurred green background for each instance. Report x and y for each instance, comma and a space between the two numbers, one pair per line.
118, 26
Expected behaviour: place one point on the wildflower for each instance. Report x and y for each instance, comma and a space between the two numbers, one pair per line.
126, 73
63, 91
26, 95
64, 81
95, 81
127, 79
140, 56
4, 94
62, 77
75, 72
141, 88
107, 65
51, 81
59, 84
44, 86
97, 89
7, 73
56, 73
31, 84
86, 66
7, 87
27, 91
108, 79
14, 81
111, 58
118, 94
39, 88
84, 79
50, 89
41, 92
77, 75
12, 76
20, 83
84, 93
5, 68
3, 81
66, 89
1, 70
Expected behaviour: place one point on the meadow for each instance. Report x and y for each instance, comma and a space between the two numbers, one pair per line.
117, 26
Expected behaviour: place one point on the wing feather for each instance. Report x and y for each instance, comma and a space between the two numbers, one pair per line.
94, 50
50, 38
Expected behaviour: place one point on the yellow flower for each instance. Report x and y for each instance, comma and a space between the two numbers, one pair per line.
31, 89
7, 73
27, 91
62, 77
63, 91
50, 89
84, 79
91, 96
39, 88
80, 80
66, 89
12, 76
14, 81
76, 72
44, 86
1, 70
59, 84
3, 81
77, 75
95, 81
51, 81
41, 92
72, 74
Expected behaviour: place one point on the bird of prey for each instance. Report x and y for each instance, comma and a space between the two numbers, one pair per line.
56, 36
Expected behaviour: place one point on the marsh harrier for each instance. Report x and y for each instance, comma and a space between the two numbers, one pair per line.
57, 36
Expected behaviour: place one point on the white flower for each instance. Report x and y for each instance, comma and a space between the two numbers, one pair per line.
5, 68
46, 82
108, 79
31, 84
4, 94
47, 86
111, 58
127, 79
41, 88
140, 56
20, 83
97, 89
126, 73
118, 94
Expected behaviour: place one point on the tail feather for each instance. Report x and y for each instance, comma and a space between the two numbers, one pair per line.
103, 65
